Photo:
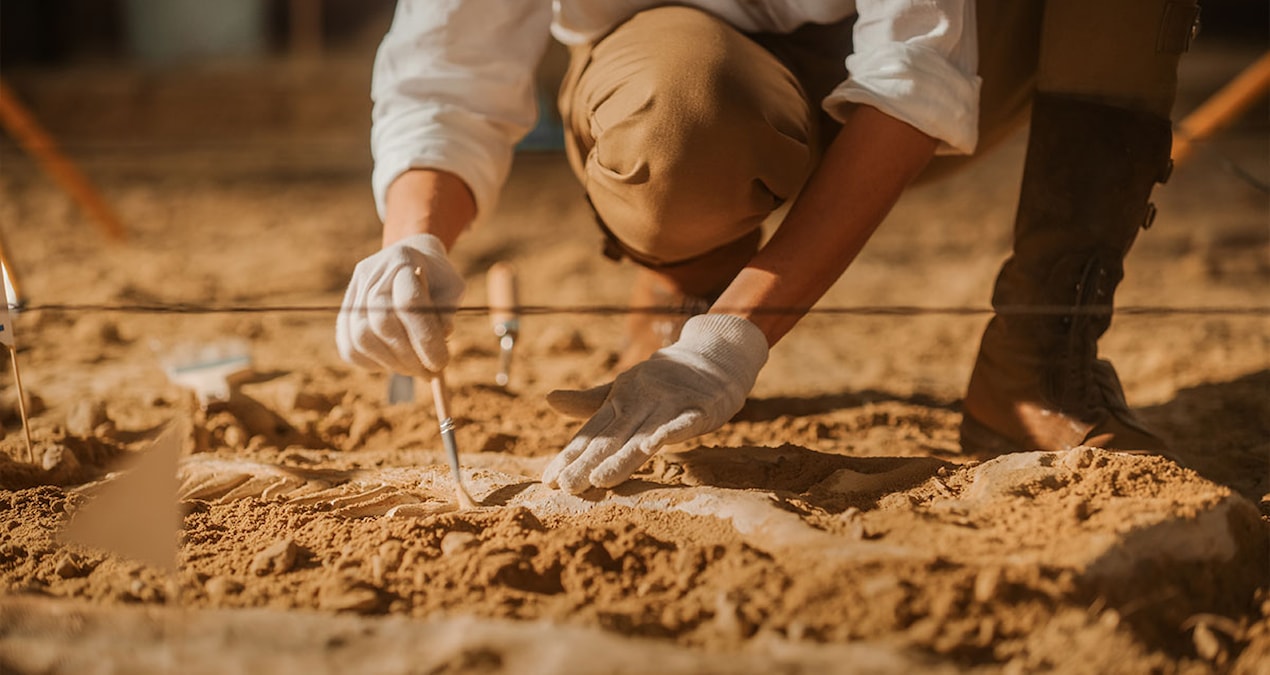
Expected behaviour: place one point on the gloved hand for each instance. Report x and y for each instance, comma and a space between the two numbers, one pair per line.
687, 389
390, 318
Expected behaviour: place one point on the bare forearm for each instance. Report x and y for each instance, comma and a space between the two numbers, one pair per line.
864, 171
427, 201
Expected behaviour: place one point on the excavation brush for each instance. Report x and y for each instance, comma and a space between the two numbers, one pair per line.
441, 398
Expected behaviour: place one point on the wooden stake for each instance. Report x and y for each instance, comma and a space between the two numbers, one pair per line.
1222, 107
26, 423
37, 142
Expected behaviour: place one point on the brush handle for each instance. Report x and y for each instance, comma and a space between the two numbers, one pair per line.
441, 397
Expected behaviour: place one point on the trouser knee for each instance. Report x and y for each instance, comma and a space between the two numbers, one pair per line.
685, 133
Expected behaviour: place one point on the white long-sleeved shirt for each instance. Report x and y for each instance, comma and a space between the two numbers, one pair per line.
453, 84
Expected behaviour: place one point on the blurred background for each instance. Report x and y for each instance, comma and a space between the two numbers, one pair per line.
132, 75
126, 83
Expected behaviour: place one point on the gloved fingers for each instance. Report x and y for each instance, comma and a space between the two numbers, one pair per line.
581, 403
395, 306
422, 324
621, 464
606, 434
573, 450
383, 340
687, 425
643, 445
576, 477
353, 338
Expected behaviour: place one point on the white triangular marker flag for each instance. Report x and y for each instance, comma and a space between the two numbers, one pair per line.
137, 515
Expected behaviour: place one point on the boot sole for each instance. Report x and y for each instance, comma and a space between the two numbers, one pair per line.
977, 439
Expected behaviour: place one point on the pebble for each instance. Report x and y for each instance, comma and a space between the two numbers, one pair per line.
58, 457
457, 542
234, 437
346, 595
220, 587
68, 567
278, 558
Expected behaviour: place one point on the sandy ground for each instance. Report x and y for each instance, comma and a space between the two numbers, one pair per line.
833, 526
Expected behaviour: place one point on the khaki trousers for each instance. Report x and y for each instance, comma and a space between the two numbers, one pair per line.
686, 134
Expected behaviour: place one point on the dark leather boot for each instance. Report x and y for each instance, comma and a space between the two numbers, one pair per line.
1038, 383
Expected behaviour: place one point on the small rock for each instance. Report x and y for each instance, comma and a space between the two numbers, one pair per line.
86, 416
68, 567
60, 459
279, 558
220, 587
234, 437
346, 595
457, 542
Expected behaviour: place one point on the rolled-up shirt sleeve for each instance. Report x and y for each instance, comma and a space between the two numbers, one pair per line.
453, 89
917, 61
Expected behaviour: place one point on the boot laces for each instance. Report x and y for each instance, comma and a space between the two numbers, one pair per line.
1078, 389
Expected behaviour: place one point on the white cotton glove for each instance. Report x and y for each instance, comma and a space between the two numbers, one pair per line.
687, 389
390, 318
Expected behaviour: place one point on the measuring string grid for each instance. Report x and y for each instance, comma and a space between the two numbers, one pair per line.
618, 310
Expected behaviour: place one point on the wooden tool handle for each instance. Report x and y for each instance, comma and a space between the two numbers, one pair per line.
503, 299
21, 124
1229, 102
